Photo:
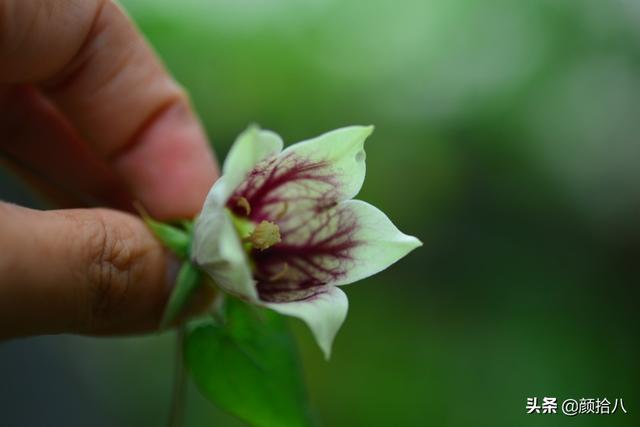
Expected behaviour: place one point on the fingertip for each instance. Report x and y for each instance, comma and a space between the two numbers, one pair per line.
169, 166
90, 271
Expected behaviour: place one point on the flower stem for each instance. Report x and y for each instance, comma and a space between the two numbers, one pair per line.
179, 395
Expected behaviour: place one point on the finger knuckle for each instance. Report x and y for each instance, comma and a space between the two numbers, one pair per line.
114, 264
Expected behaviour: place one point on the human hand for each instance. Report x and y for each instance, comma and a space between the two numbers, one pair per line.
89, 116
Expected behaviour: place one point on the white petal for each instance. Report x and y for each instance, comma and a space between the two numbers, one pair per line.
323, 313
216, 246
380, 242
250, 148
217, 250
342, 150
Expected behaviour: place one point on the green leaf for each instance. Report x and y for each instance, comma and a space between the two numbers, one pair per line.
188, 279
249, 367
187, 225
176, 239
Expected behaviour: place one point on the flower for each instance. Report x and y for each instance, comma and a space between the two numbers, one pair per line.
280, 229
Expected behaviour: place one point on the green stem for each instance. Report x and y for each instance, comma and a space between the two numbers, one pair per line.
179, 396
186, 283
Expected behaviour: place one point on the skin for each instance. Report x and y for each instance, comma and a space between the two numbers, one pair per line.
90, 117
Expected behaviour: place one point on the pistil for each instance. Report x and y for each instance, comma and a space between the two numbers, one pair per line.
265, 235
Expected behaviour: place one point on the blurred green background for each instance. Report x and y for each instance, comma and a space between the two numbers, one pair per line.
506, 139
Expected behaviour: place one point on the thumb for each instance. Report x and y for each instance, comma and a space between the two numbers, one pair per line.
93, 271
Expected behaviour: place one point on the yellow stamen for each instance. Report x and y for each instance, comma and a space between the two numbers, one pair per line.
244, 204
280, 274
265, 235
283, 212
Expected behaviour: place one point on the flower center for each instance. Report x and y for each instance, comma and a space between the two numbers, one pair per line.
265, 235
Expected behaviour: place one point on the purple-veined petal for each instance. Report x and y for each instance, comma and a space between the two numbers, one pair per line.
341, 151
316, 249
324, 313
379, 242
307, 176
336, 246
250, 148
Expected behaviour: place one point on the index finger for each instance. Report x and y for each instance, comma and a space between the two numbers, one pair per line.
88, 58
